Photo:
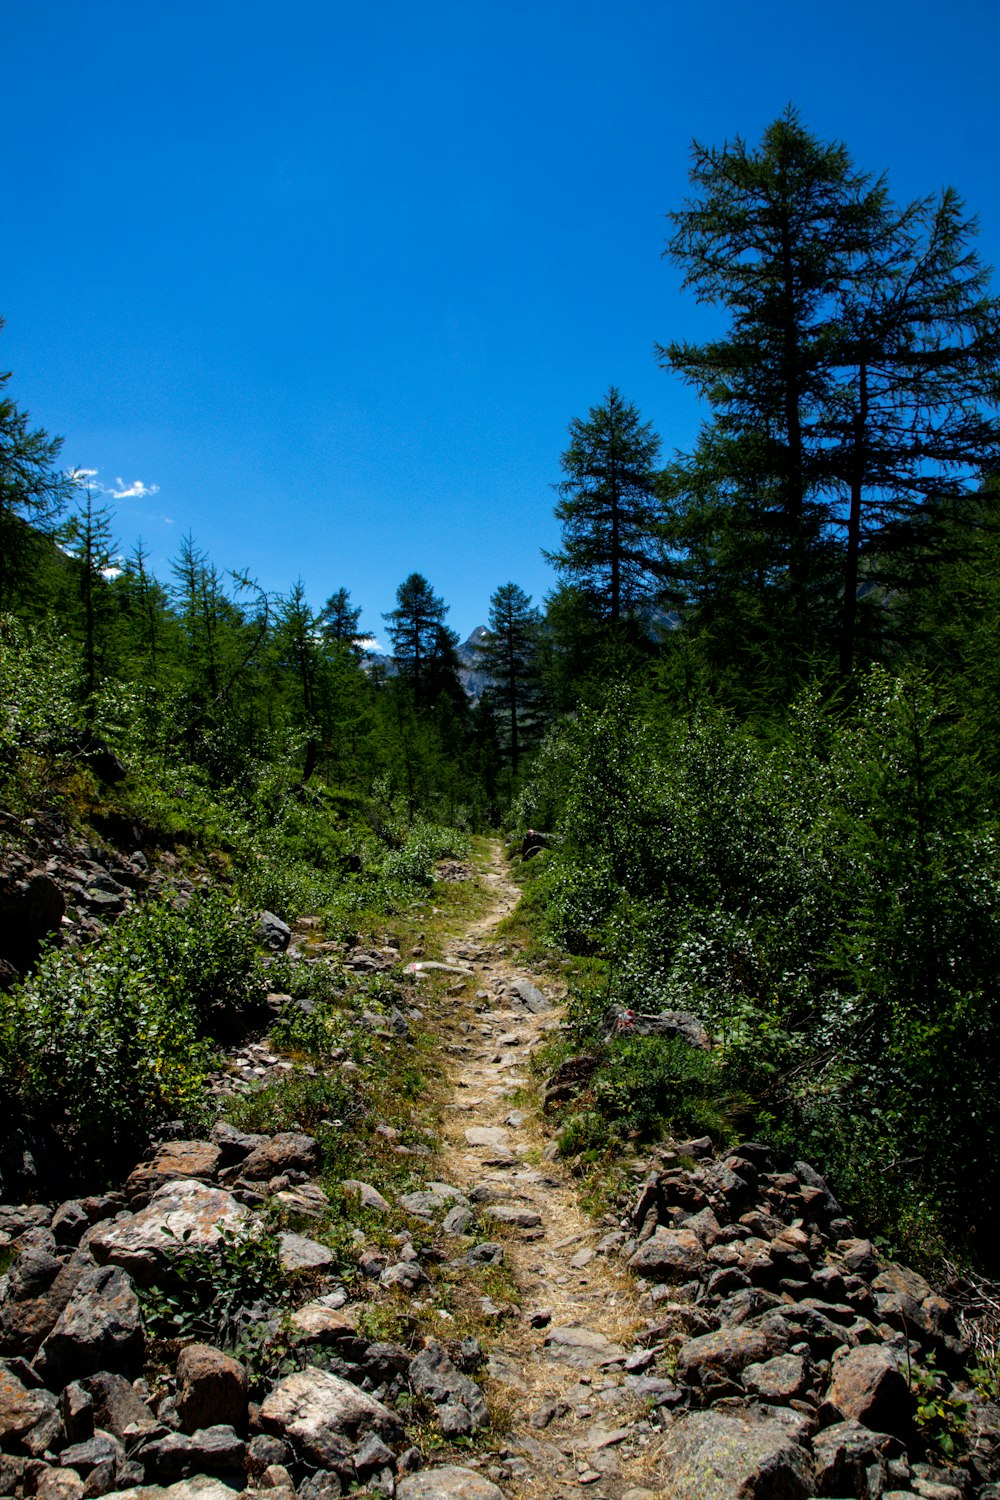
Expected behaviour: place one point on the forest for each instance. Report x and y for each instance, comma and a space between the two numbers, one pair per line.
755, 726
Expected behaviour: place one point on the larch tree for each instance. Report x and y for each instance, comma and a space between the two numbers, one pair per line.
608, 506
508, 654
421, 642
33, 492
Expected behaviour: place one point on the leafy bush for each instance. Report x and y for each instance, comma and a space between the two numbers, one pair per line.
828, 901
201, 1293
104, 1047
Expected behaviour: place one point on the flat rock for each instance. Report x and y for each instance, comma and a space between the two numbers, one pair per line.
315, 1323
447, 1483
581, 1347
520, 1218
492, 1137
199, 1487
186, 1215
529, 995
325, 1417
173, 1162
711, 1456
301, 1254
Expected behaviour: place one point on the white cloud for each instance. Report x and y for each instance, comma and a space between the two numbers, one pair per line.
134, 491
373, 647
83, 477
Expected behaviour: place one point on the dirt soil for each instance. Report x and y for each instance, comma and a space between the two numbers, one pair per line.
558, 1368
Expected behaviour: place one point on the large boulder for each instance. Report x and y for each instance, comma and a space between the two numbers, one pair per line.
21, 1407
24, 1325
867, 1386
100, 1328
185, 1215
174, 1162
669, 1255
211, 1388
324, 1417
851, 1460
711, 1456
198, 1487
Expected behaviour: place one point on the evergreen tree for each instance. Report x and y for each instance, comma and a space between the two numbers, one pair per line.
422, 646
847, 391
508, 654
607, 505
33, 493
338, 621
90, 537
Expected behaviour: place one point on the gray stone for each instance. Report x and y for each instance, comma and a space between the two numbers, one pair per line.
518, 1218
116, 1407
726, 1352
325, 1417
198, 1487
21, 1407
581, 1347
458, 1220
845, 1455
433, 1375
447, 1483
301, 1254
669, 1255
289, 1151
529, 995
368, 1196
186, 1215
711, 1456
180, 1453
273, 932
99, 1329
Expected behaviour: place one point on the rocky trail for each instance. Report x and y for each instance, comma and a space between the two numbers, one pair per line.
724, 1332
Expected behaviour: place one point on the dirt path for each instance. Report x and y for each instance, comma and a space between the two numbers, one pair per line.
577, 1424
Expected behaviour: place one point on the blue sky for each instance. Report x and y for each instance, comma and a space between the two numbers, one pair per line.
324, 283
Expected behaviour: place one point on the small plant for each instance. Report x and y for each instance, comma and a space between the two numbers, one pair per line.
940, 1415
211, 1293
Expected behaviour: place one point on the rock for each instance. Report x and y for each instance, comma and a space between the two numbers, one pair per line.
867, 1385
301, 1254
859, 1257
845, 1456
211, 1388
726, 1352
458, 1220
289, 1151
30, 909
316, 1323
324, 1416
520, 1218
178, 1454
368, 1196
198, 1487
461, 1405
529, 995
116, 1407
272, 932
669, 1255
711, 1456
69, 1222
447, 1483
96, 1453
777, 1380
405, 1273
60, 1484
24, 1325
493, 1137
234, 1144
100, 1328
186, 1215
20, 1407
33, 1273
175, 1161
581, 1347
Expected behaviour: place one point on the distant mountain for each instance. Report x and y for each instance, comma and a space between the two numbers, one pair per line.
471, 677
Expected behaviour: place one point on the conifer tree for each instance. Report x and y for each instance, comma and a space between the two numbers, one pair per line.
607, 505
508, 655
33, 492
422, 645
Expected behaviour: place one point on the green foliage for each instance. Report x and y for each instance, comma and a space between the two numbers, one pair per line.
39, 715
200, 1292
827, 902
104, 1047
940, 1415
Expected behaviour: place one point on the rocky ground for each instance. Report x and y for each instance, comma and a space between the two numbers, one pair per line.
725, 1332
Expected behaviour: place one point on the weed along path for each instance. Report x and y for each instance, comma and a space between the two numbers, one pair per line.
560, 1357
